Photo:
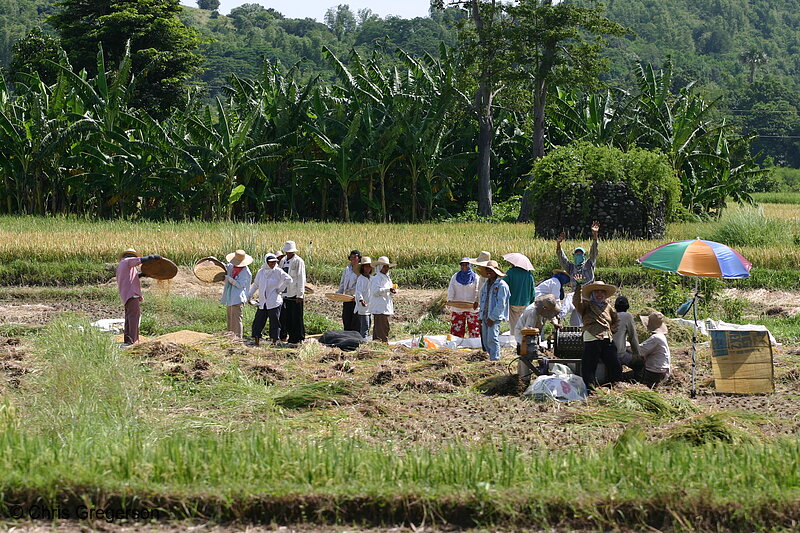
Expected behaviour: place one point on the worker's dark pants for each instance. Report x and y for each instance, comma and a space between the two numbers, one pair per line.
260, 320
292, 320
594, 352
349, 317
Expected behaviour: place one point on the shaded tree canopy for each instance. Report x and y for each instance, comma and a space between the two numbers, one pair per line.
163, 49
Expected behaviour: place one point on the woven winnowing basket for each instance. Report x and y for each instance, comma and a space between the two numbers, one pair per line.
160, 269
210, 270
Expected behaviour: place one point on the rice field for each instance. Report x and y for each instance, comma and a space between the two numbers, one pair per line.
328, 244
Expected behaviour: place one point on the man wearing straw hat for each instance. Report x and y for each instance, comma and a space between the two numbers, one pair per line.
494, 307
237, 283
482, 259
655, 351
381, 306
130, 291
600, 321
292, 314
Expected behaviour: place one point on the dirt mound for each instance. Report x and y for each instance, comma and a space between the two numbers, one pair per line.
344, 366
789, 376
475, 356
426, 386
386, 374
266, 373
455, 378
161, 351
502, 385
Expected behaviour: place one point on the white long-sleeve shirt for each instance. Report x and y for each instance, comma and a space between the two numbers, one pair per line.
380, 298
296, 268
456, 292
363, 285
347, 285
655, 351
549, 286
268, 285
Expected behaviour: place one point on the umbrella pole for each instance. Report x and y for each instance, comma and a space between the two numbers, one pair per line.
694, 339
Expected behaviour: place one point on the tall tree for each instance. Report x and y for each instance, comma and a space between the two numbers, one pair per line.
208, 5
557, 44
484, 46
752, 58
162, 47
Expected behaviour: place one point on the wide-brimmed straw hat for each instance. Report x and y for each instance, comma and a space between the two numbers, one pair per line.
654, 323
366, 260
382, 260
482, 258
289, 247
547, 306
559, 271
239, 258
130, 252
490, 265
586, 290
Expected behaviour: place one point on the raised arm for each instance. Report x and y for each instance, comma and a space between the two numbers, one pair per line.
595, 238
560, 255
577, 303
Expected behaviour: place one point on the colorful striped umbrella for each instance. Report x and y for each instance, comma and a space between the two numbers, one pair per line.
697, 257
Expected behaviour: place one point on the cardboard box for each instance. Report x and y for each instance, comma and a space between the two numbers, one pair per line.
742, 361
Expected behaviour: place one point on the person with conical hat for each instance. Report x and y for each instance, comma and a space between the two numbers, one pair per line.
381, 303
293, 327
464, 288
600, 321
237, 284
130, 291
494, 306
655, 350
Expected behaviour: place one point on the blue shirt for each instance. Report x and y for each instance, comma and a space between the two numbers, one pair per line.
494, 300
235, 292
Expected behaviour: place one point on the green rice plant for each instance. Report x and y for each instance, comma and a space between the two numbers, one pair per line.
317, 323
776, 197
750, 227
708, 428
609, 407
314, 394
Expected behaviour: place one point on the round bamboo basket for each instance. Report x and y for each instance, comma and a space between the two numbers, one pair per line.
160, 269
460, 305
339, 297
209, 270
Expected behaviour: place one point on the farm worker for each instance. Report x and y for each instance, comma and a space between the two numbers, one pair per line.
464, 288
482, 259
237, 283
494, 307
626, 334
381, 306
655, 351
600, 321
544, 308
347, 285
523, 291
362, 296
268, 286
130, 291
581, 268
292, 324
554, 285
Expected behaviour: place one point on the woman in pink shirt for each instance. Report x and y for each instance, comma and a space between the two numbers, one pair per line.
130, 291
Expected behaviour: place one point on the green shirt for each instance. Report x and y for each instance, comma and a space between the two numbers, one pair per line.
523, 288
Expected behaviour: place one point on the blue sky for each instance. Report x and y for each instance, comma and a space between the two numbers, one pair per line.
316, 8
